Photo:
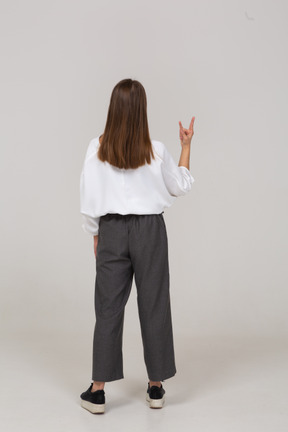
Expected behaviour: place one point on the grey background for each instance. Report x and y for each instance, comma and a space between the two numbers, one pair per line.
228, 236
223, 62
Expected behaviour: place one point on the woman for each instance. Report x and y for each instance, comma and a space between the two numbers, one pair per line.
126, 182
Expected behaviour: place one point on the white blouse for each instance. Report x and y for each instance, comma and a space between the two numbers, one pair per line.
148, 189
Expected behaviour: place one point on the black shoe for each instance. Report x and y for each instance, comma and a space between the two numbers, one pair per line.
155, 396
93, 401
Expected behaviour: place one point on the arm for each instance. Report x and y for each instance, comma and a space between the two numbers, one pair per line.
90, 224
185, 156
186, 137
178, 179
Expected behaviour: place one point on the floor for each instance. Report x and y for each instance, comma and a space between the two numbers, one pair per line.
222, 384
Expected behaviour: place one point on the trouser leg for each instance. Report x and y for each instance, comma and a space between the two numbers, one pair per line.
148, 245
114, 275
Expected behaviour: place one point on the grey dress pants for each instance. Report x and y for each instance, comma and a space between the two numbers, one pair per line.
130, 245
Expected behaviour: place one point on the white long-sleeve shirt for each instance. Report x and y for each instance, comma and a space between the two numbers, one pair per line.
148, 189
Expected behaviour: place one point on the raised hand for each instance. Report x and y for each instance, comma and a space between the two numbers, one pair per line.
186, 134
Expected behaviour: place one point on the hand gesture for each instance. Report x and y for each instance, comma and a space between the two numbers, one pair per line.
186, 134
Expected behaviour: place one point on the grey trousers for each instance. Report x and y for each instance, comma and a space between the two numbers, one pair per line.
132, 245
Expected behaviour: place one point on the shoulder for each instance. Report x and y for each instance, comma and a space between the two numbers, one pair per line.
92, 147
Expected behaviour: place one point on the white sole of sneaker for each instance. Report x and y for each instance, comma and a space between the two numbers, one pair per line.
155, 403
93, 408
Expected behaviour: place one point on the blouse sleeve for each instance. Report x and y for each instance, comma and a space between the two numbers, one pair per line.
90, 224
178, 179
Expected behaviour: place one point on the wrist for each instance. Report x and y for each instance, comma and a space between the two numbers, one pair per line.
186, 146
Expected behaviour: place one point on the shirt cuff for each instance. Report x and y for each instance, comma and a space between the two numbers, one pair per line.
188, 178
90, 224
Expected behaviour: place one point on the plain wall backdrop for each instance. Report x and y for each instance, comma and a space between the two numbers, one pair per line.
223, 62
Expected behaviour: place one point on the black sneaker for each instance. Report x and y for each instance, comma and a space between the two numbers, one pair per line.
93, 401
155, 396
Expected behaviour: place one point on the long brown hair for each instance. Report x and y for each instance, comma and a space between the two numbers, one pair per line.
126, 142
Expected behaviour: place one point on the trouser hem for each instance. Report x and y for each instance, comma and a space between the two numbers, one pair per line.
163, 377
95, 378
